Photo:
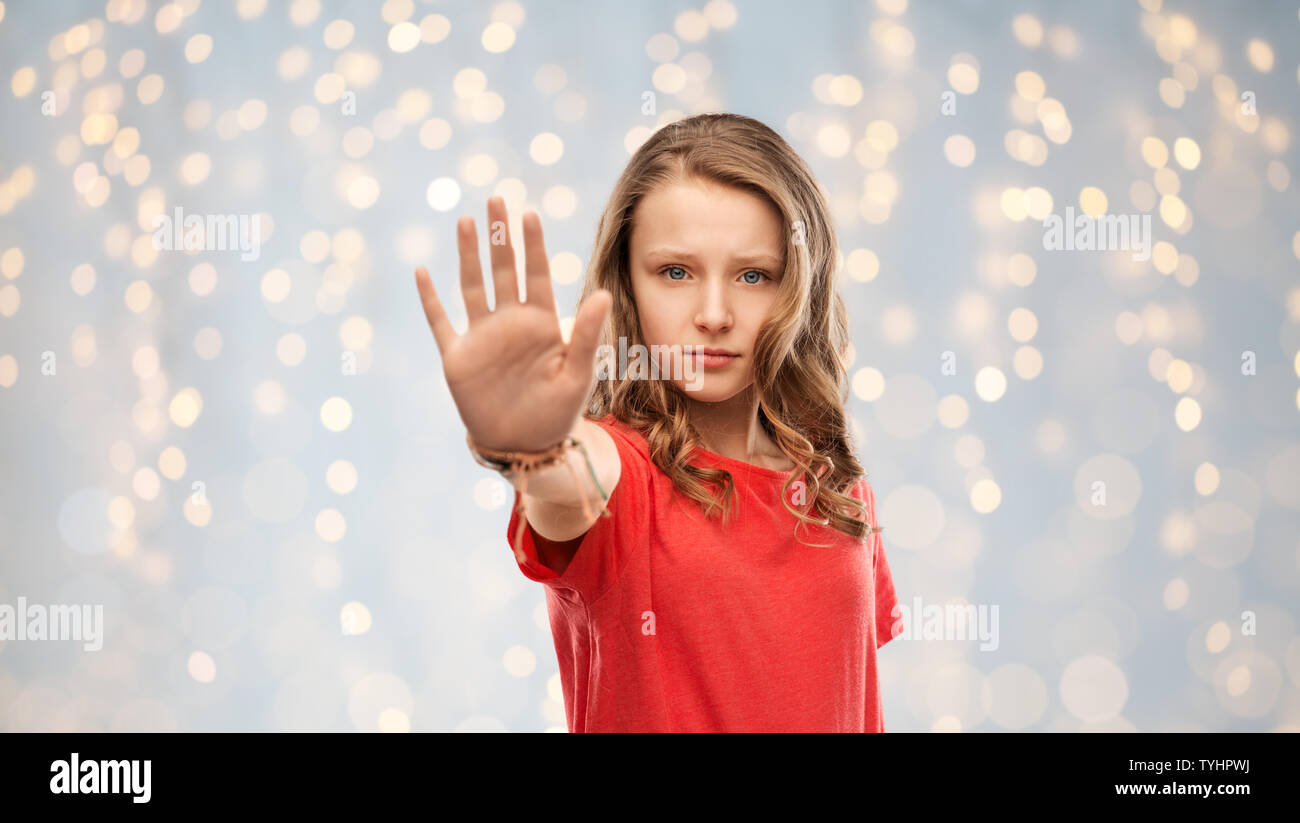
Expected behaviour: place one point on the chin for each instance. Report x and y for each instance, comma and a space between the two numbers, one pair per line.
709, 391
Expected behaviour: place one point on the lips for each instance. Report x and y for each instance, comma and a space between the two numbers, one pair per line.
718, 352
712, 361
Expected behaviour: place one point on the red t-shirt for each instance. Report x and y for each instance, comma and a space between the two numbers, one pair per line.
665, 621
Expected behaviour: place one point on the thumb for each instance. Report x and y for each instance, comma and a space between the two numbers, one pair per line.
587, 327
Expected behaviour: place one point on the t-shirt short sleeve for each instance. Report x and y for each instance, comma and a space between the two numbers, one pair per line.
887, 609
608, 543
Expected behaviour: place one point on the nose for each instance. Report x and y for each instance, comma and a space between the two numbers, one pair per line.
714, 313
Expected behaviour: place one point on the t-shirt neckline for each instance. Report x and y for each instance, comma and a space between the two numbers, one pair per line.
761, 471
755, 469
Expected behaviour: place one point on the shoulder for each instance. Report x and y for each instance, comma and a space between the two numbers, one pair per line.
631, 443
617, 428
862, 491
867, 493
627, 444
859, 489
872, 516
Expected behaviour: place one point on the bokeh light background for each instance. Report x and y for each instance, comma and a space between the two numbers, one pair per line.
256, 468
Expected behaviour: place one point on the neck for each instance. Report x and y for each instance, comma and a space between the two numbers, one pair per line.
731, 428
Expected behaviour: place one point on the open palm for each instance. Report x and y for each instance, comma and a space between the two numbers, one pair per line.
515, 381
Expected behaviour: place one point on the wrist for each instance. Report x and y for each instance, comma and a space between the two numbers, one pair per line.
509, 461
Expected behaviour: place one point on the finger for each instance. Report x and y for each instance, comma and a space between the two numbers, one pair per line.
538, 268
471, 271
587, 328
505, 279
443, 332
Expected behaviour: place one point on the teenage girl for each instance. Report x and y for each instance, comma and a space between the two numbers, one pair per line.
666, 516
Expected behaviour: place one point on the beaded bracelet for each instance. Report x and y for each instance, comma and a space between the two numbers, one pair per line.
522, 462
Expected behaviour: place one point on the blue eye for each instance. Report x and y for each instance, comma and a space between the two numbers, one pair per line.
762, 275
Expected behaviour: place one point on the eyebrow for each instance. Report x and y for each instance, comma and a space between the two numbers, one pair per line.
760, 259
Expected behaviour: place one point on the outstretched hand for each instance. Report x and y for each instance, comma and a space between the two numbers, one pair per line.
516, 384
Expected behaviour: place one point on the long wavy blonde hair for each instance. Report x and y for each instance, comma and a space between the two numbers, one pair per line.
800, 379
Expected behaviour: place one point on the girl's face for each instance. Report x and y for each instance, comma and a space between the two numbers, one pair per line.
706, 262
